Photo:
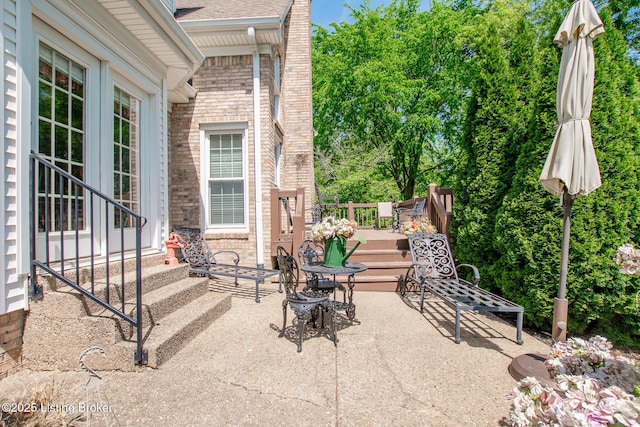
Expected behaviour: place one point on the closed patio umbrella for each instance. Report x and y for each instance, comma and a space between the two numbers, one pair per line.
571, 168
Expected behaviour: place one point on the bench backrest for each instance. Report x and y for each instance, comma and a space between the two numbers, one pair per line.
418, 208
433, 252
194, 247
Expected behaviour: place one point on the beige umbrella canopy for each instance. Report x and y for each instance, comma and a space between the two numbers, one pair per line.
571, 168
572, 160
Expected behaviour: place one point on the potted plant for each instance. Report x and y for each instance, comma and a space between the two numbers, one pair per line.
334, 234
419, 225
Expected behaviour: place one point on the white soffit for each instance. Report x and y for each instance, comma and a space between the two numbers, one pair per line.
223, 35
155, 27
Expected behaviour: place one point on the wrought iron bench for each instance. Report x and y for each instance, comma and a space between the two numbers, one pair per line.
403, 214
202, 259
434, 270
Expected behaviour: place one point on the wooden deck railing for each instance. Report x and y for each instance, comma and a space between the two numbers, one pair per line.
440, 207
288, 214
287, 219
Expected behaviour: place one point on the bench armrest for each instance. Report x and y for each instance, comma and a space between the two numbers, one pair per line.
402, 211
420, 273
236, 256
476, 273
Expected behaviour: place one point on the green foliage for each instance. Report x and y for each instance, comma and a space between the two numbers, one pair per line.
528, 225
390, 82
528, 228
503, 46
464, 95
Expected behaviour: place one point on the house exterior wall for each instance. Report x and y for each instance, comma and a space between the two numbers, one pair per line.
11, 326
297, 165
112, 57
13, 300
12, 261
225, 96
224, 86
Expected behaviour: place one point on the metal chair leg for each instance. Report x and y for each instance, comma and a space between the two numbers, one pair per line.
301, 323
284, 318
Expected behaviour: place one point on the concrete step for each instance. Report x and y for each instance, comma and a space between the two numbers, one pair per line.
56, 332
175, 330
99, 270
64, 324
153, 277
163, 301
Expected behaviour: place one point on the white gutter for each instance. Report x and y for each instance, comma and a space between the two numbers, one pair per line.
257, 149
231, 24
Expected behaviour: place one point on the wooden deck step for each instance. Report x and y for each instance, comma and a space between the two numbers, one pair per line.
387, 257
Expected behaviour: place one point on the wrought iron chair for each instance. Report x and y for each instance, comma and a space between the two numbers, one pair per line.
385, 210
305, 307
309, 252
327, 204
402, 214
434, 270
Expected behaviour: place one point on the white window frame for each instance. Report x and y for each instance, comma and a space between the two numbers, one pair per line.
223, 128
277, 154
276, 86
145, 122
50, 37
101, 77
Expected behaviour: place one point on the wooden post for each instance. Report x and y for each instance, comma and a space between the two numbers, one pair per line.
432, 191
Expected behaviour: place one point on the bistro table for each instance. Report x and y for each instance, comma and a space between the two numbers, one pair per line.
350, 268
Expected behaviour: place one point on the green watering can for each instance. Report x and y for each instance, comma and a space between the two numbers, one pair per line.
335, 251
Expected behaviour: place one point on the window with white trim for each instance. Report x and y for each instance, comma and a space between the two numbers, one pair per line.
61, 137
226, 179
125, 153
276, 86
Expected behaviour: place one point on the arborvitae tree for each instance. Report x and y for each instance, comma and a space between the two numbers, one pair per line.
603, 299
503, 43
529, 225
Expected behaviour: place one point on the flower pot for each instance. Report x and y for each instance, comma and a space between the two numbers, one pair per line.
335, 251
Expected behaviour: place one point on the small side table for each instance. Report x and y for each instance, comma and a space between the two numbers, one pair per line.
350, 268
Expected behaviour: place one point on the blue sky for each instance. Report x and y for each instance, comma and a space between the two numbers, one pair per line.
324, 12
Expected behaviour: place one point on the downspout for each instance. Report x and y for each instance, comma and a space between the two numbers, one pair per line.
257, 149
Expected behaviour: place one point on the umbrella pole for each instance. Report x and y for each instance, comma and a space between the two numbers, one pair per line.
560, 304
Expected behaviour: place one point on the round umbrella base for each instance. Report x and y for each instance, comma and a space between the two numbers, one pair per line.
531, 365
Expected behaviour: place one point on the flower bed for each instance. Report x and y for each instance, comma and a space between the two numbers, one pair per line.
594, 387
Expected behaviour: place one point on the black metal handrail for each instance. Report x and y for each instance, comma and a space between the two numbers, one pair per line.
81, 200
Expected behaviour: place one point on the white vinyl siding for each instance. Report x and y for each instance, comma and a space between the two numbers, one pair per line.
12, 283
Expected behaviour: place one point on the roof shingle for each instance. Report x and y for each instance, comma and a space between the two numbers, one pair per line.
195, 10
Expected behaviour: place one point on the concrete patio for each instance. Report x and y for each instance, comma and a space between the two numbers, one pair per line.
393, 366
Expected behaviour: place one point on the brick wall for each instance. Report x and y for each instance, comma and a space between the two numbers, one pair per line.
225, 94
297, 100
11, 326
